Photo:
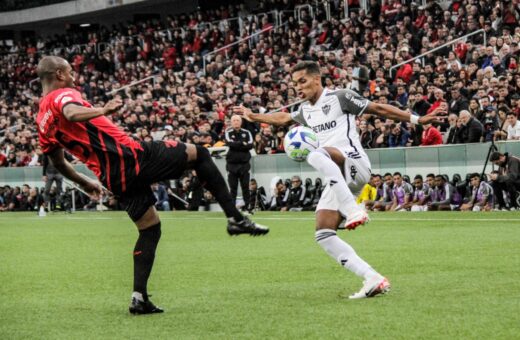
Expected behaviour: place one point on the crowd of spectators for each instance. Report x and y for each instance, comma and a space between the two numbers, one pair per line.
475, 84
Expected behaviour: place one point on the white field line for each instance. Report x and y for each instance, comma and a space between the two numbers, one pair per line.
273, 218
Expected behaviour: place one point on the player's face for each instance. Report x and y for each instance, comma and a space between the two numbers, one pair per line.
67, 75
475, 181
418, 183
430, 181
306, 85
388, 180
376, 181
438, 182
398, 180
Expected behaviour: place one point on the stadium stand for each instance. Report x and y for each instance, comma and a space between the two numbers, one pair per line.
190, 90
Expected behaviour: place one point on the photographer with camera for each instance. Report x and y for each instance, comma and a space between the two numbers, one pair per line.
507, 179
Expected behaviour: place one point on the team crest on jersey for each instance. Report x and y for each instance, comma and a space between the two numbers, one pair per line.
326, 109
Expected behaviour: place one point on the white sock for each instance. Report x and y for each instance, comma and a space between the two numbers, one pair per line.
138, 296
344, 254
326, 166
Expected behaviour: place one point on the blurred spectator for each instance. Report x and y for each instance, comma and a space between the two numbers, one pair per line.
481, 195
431, 136
293, 200
159, 191
257, 196
506, 180
472, 130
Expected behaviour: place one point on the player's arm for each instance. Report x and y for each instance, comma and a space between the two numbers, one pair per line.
392, 112
276, 118
57, 157
78, 113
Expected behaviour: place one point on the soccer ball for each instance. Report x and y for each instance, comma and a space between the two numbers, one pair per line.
299, 142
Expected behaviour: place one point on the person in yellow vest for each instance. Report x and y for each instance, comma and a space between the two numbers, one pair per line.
371, 192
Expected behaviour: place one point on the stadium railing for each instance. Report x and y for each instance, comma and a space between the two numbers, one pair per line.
451, 42
446, 159
225, 48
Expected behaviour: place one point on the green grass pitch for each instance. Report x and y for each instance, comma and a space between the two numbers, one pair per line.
454, 276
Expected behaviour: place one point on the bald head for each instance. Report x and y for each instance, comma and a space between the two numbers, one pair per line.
236, 122
48, 66
55, 72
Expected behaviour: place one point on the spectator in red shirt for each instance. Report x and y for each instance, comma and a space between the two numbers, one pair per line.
430, 135
3, 160
169, 56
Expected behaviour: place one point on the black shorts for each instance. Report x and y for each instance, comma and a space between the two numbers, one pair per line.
160, 161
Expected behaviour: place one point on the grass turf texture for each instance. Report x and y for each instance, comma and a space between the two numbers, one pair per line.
454, 275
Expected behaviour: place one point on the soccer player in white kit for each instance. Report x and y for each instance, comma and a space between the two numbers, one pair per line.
340, 159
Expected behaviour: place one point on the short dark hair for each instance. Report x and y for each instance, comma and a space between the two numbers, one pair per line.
311, 67
495, 156
418, 177
388, 174
441, 177
474, 175
397, 173
376, 175
430, 175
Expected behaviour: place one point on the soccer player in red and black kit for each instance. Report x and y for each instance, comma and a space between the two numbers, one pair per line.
124, 166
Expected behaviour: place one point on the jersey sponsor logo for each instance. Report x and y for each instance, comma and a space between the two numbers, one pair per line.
61, 95
325, 126
44, 120
359, 103
326, 109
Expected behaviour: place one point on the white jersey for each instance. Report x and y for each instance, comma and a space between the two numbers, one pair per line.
333, 119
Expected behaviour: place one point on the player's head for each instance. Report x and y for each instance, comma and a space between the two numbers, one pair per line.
388, 178
236, 122
430, 179
418, 181
440, 180
55, 70
474, 179
306, 77
398, 178
376, 180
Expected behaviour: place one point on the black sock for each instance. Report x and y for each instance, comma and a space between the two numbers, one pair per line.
212, 180
144, 255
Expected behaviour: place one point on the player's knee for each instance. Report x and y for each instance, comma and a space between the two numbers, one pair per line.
416, 208
317, 155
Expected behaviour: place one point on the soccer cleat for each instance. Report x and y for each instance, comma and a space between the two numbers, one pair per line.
138, 307
372, 287
356, 219
246, 226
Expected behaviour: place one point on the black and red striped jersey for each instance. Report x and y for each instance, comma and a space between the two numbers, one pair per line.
99, 143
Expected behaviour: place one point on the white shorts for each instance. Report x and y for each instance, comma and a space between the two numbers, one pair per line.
357, 174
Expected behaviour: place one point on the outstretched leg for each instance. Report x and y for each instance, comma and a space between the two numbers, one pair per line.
329, 161
210, 177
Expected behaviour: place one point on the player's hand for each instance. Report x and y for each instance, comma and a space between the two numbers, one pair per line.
92, 188
244, 111
429, 119
112, 106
